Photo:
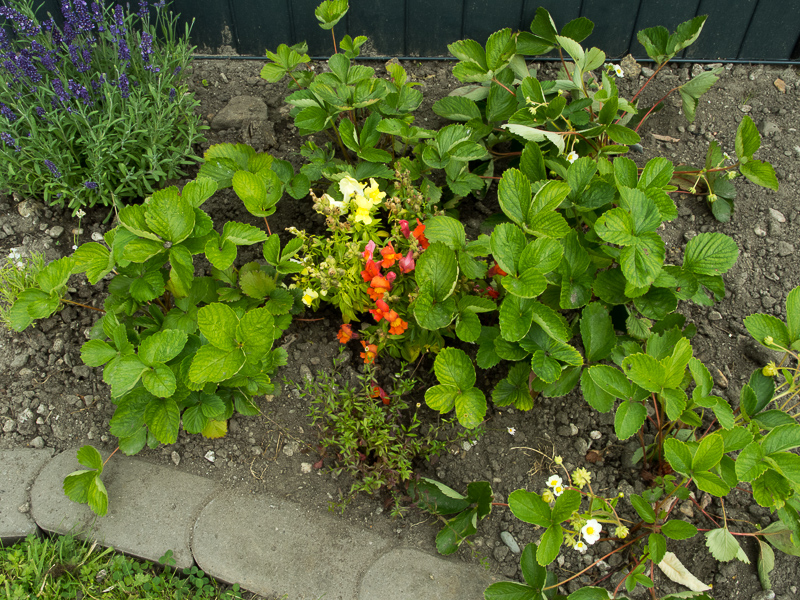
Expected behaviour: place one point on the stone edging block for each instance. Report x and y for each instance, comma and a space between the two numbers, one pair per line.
152, 509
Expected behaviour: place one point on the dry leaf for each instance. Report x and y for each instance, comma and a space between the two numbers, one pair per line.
593, 456
665, 138
780, 85
674, 570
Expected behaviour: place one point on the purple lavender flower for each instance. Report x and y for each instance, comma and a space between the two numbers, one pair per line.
97, 16
25, 64
7, 112
9, 141
4, 43
53, 169
124, 86
22, 23
119, 20
40, 111
146, 46
83, 17
13, 70
61, 93
160, 4
172, 93
82, 61
176, 71
80, 91
90, 185
55, 32
142, 9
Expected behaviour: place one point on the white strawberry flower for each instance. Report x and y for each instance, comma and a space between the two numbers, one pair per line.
591, 531
553, 481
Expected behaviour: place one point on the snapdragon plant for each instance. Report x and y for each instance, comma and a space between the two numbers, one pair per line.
96, 112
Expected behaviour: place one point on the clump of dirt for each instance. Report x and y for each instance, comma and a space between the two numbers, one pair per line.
49, 399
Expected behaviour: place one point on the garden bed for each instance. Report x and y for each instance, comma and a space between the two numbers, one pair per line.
50, 399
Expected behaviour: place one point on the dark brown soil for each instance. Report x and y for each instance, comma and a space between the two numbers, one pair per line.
48, 398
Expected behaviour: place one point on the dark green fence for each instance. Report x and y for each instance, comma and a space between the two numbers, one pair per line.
749, 30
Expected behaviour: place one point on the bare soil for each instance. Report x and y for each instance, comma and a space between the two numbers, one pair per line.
48, 398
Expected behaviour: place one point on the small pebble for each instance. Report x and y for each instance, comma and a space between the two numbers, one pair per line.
509, 541
209, 456
777, 215
759, 231
305, 467
176, 458
37, 443
595, 435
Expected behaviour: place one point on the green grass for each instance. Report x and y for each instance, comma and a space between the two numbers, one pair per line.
64, 567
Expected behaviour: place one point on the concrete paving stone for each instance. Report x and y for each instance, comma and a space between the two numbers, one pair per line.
18, 469
272, 546
408, 574
151, 509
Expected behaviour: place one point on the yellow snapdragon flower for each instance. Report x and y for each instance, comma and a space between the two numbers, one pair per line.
309, 296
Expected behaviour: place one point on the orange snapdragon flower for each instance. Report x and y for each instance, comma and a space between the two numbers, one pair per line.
346, 333
396, 326
389, 256
370, 352
419, 233
378, 287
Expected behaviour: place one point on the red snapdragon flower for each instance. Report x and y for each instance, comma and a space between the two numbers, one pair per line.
379, 392
404, 229
371, 270
496, 270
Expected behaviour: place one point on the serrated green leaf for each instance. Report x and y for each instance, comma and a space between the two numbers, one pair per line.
516, 316
213, 364
676, 529
170, 216
708, 453
722, 544
122, 373
530, 508
597, 332
436, 271
160, 381
218, 324
514, 389
95, 353
678, 455
162, 347
550, 545
643, 507
456, 108
454, 368
163, 417
748, 140
657, 546
710, 254
629, 419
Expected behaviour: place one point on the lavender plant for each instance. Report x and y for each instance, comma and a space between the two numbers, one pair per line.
97, 111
